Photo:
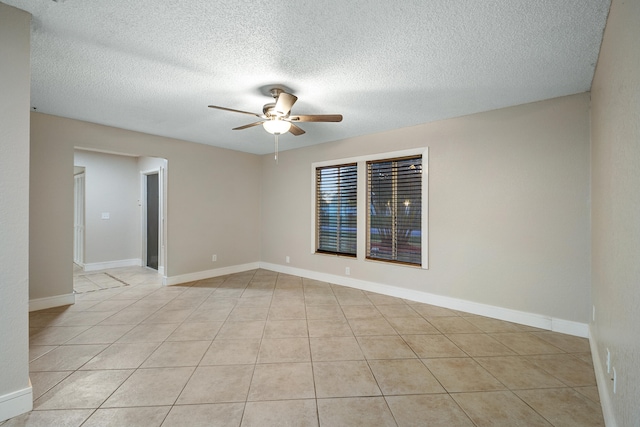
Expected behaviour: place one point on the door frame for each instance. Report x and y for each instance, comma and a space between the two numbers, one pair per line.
161, 217
79, 217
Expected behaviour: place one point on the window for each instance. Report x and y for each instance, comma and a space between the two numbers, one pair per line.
394, 215
336, 209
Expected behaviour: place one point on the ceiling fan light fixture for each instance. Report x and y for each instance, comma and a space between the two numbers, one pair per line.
276, 126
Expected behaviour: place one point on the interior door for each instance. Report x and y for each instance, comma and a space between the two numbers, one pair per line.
153, 223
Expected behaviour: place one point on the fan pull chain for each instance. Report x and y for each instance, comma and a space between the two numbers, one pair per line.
276, 148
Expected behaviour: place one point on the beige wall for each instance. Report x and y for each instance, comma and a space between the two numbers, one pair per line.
508, 208
212, 207
615, 136
112, 185
15, 391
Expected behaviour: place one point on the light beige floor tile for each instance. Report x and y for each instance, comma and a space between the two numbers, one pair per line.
525, 343
217, 384
128, 316
479, 345
427, 410
430, 311
324, 312
412, 325
516, 372
329, 328
149, 333
498, 409
207, 313
208, 415
433, 345
590, 392
241, 330
453, 325
101, 334
121, 356
355, 412
258, 298
397, 310
294, 413
374, 326
462, 374
168, 316
44, 381
564, 407
203, 331
82, 390
67, 418
379, 299
350, 299
404, 376
232, 352
85, 318
486, 324
240, 313
282, 381
312, 298
295, 328
568, 343
335, 348
568, 369
112, 305
177, 353
385, 347
36, 351
287, 311
146, 387
344, 379
130, 417
66, 357
361, 311
54, 335
283, 350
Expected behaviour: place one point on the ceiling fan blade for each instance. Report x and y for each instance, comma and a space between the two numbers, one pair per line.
250, 125
234, 111
317, 118
296, 130
284, 103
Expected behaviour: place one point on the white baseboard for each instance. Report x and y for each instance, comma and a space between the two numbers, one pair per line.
16, 403
95, 266
201, 275
50, 302
515, 316
603, 382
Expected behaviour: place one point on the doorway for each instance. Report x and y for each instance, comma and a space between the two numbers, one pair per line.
78, 217
152, 219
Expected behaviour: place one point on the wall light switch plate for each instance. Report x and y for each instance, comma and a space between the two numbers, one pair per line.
105, 215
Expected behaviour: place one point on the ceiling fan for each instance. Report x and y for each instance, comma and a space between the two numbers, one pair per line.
276, 116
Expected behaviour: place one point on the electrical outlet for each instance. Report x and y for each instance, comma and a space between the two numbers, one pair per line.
214, 258
287, 259
347, 271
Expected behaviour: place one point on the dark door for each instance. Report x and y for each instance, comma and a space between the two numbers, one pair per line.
152, 220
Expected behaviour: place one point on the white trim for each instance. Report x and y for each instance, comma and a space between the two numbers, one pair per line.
95, 266
50, 302
200, 275
495, 312
16, 403
603, 382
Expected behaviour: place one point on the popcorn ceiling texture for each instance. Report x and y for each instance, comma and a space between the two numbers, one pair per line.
154, 65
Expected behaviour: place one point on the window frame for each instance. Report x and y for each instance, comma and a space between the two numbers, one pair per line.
362, 203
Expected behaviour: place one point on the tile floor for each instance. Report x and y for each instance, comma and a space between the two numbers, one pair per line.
266, 349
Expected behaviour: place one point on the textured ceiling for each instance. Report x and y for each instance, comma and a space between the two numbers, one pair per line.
154, 65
